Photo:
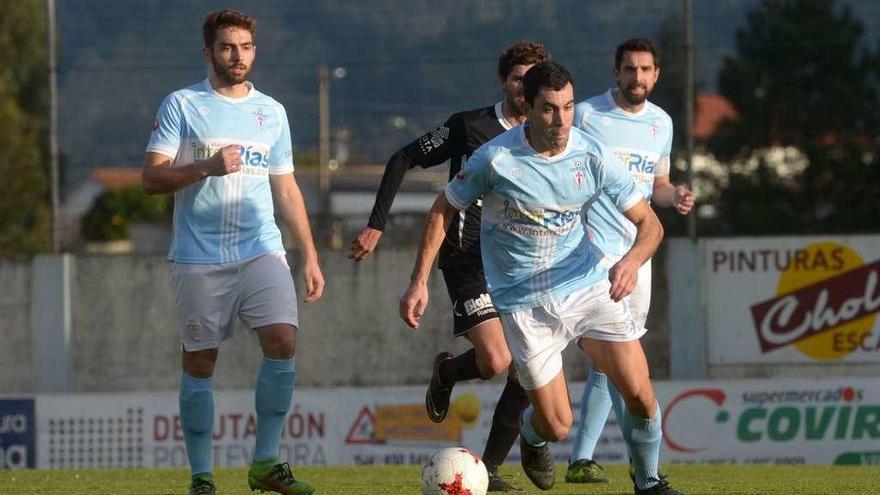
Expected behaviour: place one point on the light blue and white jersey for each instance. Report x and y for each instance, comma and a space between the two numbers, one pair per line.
642, 142
533, 243
228, 218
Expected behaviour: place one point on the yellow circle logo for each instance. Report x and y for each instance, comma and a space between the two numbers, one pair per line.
466, 407
814, 264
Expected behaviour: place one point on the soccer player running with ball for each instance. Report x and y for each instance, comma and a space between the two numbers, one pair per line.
224, 150
640, 134
474, 316
545, 276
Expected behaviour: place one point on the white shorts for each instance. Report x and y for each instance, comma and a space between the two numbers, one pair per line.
537, 336
259, 290
639, 299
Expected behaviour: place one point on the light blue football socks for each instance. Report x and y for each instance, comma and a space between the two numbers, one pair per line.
528, 431
595, 405
273, 396
197, 420
643, 437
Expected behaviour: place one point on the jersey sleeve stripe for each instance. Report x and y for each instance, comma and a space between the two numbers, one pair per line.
458, 204
163, 150
275, 170
631, 201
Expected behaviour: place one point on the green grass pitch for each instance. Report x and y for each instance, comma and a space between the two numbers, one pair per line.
404, 480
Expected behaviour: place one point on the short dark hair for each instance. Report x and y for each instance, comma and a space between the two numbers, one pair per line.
636, 45
226, 18
545, 75
522, 53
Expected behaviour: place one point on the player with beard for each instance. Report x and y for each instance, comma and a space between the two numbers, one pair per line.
544, 274
640, 134
224, 150
474, 316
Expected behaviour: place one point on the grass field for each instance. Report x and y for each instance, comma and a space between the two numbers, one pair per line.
404, 480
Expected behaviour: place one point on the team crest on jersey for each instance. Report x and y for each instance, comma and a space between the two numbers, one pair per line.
260, 117
655, 130
577, 173
433, 140
155, 126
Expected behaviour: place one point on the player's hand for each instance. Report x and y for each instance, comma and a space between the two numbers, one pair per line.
314, 281
623, 277
226, 161
683, 199
413, 303
364, 243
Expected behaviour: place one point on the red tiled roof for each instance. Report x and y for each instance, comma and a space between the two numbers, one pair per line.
710, 112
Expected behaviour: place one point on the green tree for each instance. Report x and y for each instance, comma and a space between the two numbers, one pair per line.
25, 220
802, 78
113, 212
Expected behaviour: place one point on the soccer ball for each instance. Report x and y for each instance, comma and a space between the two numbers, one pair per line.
454, 471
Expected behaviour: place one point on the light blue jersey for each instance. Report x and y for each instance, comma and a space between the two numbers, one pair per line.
533, 243
642, 141
228, 218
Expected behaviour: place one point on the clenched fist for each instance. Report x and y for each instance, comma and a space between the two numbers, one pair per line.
226, 161
683, 199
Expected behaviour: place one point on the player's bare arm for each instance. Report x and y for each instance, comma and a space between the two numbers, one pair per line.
414, 301
669, 195
159, 177
649, 232
290, 205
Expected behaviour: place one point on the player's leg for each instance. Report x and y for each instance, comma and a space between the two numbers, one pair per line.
546, 420
472, 309
536, 338
594, 409
269, 307
600, 396
612, 342
274, 389
627, 368
493, 358
204, 295
196, 402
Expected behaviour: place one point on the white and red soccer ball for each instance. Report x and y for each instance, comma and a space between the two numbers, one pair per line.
454, 471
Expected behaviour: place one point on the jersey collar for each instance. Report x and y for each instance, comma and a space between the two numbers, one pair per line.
250, 93
499, 114
613, 104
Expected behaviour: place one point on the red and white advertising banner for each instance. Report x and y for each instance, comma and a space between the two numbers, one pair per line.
792, 300
762, 421
827, 421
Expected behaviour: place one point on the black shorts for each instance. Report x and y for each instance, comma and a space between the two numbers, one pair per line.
471, 304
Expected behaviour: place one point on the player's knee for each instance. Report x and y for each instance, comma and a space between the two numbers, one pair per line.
280, 347
199, 364
493, 364
642, 403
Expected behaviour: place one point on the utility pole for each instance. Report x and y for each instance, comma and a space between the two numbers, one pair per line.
324, 143
689, 108
54, 175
